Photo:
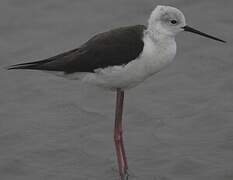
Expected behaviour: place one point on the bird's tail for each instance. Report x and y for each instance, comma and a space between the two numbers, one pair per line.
55, 63
29, 65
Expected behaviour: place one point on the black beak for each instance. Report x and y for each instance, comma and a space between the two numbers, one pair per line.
189, 29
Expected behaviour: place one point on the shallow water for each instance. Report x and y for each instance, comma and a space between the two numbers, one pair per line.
178, 124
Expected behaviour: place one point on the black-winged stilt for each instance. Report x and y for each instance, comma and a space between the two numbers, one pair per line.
120, 59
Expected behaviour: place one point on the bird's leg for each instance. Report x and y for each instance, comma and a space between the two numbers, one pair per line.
118, 136
121, 133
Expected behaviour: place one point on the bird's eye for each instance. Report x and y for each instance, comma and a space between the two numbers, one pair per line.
173, 22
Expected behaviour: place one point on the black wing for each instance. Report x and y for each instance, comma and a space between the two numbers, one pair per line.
115, 47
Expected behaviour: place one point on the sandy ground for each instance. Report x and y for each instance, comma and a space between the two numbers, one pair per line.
179, 123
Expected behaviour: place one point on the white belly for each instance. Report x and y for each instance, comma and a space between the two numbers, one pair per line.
154, 57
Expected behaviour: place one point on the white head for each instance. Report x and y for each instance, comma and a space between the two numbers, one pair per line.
167, 21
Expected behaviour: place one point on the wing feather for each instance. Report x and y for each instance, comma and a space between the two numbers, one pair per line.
115, 47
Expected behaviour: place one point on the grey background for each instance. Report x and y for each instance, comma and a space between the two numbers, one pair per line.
178, 124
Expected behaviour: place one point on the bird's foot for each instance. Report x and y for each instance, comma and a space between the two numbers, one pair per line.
125, 176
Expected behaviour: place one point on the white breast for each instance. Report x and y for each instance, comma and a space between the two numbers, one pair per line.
154, 57
157, 54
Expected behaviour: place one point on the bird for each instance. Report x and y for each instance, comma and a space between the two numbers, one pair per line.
120, 59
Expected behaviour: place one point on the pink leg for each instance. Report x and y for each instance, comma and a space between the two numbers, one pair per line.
118, 137
124, 155
119, 155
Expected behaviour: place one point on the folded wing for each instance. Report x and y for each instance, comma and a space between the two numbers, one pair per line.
111, 48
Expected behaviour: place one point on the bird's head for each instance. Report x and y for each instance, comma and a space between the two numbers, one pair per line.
168, 21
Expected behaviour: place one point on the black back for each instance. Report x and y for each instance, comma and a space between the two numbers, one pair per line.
114, 47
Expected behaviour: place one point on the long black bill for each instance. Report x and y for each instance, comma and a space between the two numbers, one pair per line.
189, 29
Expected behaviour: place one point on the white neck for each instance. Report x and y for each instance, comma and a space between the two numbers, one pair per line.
158, 35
